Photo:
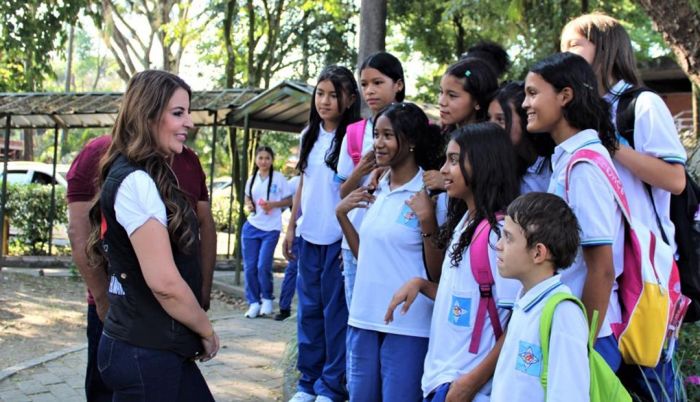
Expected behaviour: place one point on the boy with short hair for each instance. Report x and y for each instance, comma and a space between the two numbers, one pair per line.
541, 235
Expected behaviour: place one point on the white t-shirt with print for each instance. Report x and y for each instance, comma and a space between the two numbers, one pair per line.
279, 190
320, 195
519, 367
390, 254
599, 217
454, 316
345, 169
655, 135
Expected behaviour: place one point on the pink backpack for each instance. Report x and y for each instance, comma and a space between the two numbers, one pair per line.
481, 269
649, 287
355, 134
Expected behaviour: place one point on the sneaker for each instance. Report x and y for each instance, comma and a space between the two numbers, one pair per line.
323, 398
283, 315
253, 310
266, 309
303, 397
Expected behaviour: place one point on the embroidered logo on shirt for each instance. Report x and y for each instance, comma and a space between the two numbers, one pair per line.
273, 188
407, 217
529, 359
460, 310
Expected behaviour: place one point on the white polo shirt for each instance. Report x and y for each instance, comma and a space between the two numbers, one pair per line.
454, 315
279, 190
517, 375
536, 177
346, 167
390, 254
655, 135
592, 200
319, 196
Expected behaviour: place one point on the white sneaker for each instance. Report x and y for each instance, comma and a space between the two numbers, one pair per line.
303, 397
253, 310
323, 398
266, 308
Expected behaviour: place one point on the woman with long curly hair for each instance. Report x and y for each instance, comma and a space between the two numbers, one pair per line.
146, 232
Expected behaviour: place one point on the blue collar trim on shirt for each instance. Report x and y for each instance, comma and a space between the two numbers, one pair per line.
543, 294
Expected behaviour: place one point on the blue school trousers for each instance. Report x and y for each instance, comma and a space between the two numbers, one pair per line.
289, 283
322, 318
384, 367
258, 248
662, 378
440, 393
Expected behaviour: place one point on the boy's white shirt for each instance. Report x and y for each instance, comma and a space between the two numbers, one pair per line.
452, 325
319, 196
591, 198
390, 255
655, 135
345, 169
279, 190
519, 367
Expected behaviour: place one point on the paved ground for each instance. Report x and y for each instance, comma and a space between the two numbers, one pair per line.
247, 368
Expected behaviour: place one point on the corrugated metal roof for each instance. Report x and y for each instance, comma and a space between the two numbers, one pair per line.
95, 109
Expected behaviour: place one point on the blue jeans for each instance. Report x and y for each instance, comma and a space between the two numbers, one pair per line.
258, 248
143, 374
349, 272
289, 283
440, 393
95, 388
322, 318
384, 367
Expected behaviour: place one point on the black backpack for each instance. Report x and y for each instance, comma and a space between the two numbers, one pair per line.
682, 214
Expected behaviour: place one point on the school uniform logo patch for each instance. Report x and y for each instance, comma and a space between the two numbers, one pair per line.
407, 217
460, 311
529, 359
273, 188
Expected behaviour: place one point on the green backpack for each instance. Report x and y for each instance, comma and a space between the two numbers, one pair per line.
605, 386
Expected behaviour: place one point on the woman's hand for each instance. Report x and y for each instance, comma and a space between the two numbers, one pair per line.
211, 346
422, 205
432, 179
287, 245
359, 198
406, 295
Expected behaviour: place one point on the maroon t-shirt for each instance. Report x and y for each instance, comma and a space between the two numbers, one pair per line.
83, 173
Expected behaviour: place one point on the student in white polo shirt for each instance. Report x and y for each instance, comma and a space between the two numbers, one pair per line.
322, 314
480, 177
561, 98
540, 235
651, 158
265, 196
385, 361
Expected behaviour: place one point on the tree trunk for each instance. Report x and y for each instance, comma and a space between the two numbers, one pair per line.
69, 79
372, 32
231, 11
251, 43
678, 22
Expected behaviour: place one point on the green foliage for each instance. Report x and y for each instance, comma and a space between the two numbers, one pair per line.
28, 208
689, 358
30, 31
220, 211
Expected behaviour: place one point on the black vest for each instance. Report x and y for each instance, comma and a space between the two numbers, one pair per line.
135, 316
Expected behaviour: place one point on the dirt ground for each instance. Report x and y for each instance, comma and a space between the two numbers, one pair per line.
42, 314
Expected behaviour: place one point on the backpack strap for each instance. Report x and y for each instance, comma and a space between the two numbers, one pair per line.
546, 329
481, 269
606, 168
356, 133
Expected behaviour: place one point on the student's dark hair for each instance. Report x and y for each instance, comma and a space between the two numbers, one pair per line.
547, 219
411, 126
261, 148
586, 108
492, 53
346, 90
614, 55
389, 65
512, 93
479, 79
493, 182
